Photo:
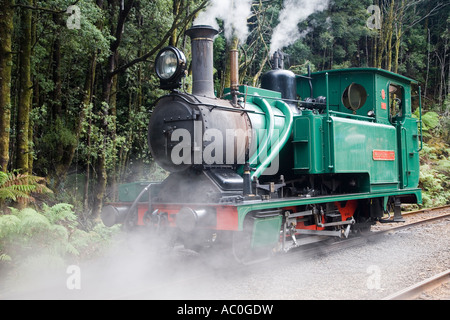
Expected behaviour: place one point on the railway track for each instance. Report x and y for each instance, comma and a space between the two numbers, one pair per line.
430, 212
417, 289
411, 219
305, 252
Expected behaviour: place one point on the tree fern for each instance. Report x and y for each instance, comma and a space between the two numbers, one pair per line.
18, 187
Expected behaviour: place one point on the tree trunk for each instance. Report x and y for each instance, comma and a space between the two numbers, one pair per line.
108, 82
388, 28
25, 91
428, 62
399, 35
86, 107
61, 158
6, 30
114, 179
177, 4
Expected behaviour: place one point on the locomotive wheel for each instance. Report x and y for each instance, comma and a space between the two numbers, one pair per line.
241, 246
154, 236
243, 253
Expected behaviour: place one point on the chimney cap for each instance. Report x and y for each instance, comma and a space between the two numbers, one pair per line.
202, 31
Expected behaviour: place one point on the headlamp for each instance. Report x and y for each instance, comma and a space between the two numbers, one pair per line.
170, 67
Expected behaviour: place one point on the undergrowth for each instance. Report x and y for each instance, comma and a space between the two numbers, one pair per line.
435, 157
49, 237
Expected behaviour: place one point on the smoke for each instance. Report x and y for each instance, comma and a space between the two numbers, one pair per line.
293, 12
234, 14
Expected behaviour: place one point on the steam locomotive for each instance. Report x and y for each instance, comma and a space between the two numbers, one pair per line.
264, 170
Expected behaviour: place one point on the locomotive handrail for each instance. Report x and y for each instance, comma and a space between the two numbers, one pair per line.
420, 119
264, 97
329, 126
328, 100
210, 105
352, 116
404, 155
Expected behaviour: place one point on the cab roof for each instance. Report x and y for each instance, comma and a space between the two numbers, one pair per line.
382, 72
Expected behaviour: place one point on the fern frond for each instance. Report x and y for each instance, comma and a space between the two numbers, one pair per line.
6, 193
18, 187
3, 177
9, 224
33, 222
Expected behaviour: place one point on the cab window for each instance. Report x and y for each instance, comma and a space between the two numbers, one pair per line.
396, 102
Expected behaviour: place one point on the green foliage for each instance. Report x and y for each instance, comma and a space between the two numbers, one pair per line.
434, 159
434, 181
51, 234
435, 170
445, 119
430, 123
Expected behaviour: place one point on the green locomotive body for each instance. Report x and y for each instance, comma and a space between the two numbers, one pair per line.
322, 154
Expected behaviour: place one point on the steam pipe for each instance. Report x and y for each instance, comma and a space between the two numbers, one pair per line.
284, 136
264, 146
134, 206
202, 40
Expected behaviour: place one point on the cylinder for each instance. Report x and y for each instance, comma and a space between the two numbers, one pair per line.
202, 41
113, 215
187, 219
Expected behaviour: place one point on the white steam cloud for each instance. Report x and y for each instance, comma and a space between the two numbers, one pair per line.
234, 14
293, 12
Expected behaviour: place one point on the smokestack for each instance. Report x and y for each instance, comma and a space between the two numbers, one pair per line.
234, 75
278, 60
202, 59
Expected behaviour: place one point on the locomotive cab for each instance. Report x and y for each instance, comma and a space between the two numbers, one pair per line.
372, 130
364, 92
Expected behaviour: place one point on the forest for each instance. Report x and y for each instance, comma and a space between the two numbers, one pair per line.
77, 80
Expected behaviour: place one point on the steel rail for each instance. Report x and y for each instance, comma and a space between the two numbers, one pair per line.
324, 247
425, 210
417, 289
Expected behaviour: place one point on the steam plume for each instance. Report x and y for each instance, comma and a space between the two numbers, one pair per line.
293, 12
234, 14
